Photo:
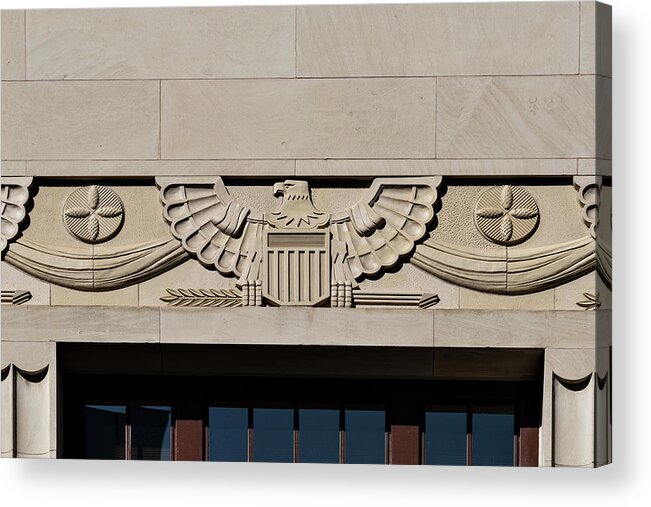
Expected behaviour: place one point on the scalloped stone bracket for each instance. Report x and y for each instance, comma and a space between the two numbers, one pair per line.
589, 195
15, 197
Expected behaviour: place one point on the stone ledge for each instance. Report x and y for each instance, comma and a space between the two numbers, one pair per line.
310, 326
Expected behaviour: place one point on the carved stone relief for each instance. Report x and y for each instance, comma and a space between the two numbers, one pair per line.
297, 254
93, 214
506, 215
15, 297
15, 195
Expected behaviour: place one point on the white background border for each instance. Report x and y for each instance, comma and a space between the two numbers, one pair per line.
626, 482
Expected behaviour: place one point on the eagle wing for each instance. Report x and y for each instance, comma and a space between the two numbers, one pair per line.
384, 226
209, 224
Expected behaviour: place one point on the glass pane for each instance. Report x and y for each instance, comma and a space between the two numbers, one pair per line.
445, 438
104, 431
318, 435
228, 437
151, 429
273, 435
364, 436
492, 439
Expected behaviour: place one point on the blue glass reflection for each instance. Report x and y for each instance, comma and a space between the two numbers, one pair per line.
104, 435
318, 436
151, 432
273, 435
445, 438
492, 439
228, 438
365, 436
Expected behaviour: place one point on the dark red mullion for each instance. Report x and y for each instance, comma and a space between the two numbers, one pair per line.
404, 434
468, 436
296, 435
188, 431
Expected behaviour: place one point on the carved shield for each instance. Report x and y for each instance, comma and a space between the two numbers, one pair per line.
296, 267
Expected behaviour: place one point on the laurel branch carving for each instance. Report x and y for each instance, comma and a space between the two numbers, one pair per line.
591, 301
224, 298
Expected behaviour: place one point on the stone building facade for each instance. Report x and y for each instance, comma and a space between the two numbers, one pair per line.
401, 211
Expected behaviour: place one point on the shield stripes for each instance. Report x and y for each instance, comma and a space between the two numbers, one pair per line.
296, 267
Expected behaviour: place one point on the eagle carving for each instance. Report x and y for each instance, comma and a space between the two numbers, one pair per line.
297, 254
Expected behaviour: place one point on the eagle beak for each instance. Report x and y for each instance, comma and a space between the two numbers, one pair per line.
279, 189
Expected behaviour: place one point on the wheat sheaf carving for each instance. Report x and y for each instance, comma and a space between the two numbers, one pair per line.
225, 298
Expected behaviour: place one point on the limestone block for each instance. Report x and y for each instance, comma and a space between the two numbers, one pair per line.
63, 296
560, 216
80, 323
143, 168
436, 39
233, 119
79, 120
410, 279
494, 167
33, 414
526, 116
515, 328
15, 279
597, 167
473, 299
596, 38
28, 356
567, 296
573, 422
13, 44
7, 411
298, 326
190, 274
604, 117
213, 42
13, 168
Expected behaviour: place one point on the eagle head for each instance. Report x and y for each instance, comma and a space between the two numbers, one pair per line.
292, 190
297, 208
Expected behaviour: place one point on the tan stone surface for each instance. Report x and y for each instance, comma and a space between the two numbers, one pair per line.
144, 168
210, 42
143, 217
598, 167
411, 279
13, 44
596, 38
80, 323
79, 120
604, 117
568, 295
560, 216
128, 296
13, 168
422, 40
7, 415
472, 299
235, 119
486, 167
33, 432
190, 274
515, 328
297, 326
28, 356
15, 279
455, 224
524, 116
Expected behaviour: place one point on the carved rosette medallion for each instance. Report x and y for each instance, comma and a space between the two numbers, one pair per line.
506, 215
93, 214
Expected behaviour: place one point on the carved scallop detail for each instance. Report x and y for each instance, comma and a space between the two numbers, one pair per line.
93, 214
506, 215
